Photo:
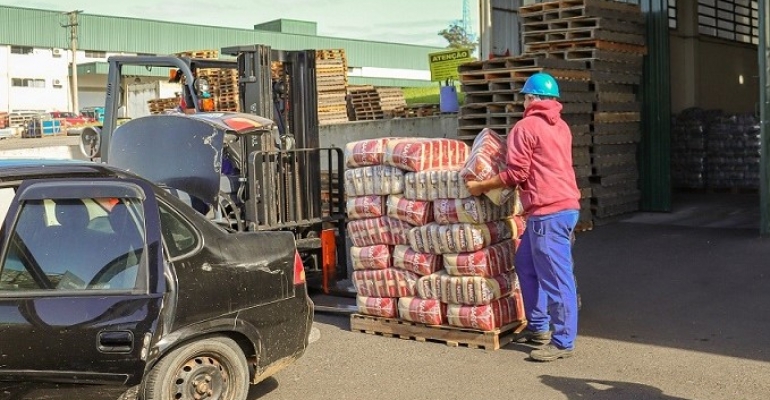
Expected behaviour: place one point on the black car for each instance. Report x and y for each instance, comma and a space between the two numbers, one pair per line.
111, 286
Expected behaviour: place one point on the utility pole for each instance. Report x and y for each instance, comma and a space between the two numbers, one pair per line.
73, 26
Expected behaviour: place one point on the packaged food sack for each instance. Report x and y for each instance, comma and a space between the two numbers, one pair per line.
487, 317
457, 238
373, 231
472, 210
363, 153
423, 311
389, 282
362, 207
487, 160
421, 154
370, 257
378, 306
432, 185
415, 212
374, 180
475, 290
494, 260
420, 263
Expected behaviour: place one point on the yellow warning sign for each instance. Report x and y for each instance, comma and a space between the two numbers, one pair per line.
443, 65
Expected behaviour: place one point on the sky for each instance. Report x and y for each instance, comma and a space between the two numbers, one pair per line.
397, 21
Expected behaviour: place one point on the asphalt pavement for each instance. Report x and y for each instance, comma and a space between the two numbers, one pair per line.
675, 306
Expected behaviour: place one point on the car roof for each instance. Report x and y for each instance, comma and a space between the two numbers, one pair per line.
38, 168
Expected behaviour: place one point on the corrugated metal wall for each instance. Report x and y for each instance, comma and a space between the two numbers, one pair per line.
42, 28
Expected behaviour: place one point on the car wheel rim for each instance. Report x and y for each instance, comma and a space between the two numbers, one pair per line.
201, 377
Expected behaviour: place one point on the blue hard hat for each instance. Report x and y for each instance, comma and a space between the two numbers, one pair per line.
541, 84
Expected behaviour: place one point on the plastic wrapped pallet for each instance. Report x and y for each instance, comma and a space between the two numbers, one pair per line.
389, 282
365, 153
487, 317
457, 238
374, 180
373, 231
363, 207
420, 263
487, 160
472, 210
415, 212
370, 257
420, 154
378, 306
433, 185
489, 261
423, 311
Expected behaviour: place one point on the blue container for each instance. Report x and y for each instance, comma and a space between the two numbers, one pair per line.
448, 102
51, 127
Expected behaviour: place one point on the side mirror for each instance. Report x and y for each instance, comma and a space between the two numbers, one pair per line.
91, 142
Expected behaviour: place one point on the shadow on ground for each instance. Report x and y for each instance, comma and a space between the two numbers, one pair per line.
578, 389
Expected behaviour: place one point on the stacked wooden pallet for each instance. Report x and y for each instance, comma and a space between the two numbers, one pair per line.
209, 54
420, 110
392, 101
227, 90
158, 106
608, 37
364, 103
332, 82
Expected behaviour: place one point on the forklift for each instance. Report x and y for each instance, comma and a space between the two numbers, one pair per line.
258, 169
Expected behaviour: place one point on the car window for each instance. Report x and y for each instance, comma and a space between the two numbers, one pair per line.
179, 236
75, 244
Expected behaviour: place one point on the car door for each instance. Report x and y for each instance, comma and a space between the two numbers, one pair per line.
81, 286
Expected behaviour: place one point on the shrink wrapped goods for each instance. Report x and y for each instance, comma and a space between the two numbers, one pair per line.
419, 154
489, 261
370, 257
389, 282
423, 311
415, 212
467, 290
472, 210
487, 160
373, 231
457, 238
374, 180
433, 185
378, 306
363, 207
363, 153
488, 317
420, 263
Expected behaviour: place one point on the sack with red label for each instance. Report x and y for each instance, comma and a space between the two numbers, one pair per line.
363, 207
378, 306
489, 261
472, 210
488, 317
415, 212
366, 152
487, 160
375, 180
423, 311
370, 257
421, 154
475, 290
389, 282
457, 238
420, 263
373, 231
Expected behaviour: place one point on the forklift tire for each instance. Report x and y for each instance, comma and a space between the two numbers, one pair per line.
211, 368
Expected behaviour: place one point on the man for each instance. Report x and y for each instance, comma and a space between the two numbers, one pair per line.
539, 162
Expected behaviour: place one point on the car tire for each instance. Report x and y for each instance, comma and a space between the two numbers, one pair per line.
213, 367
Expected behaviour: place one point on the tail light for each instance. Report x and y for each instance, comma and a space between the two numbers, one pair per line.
299, 270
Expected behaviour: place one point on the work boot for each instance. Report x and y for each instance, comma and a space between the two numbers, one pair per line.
528, 336
550, 353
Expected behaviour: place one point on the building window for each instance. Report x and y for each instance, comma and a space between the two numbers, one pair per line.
28, 82
21, 50
95, 54
672, 14
735, 20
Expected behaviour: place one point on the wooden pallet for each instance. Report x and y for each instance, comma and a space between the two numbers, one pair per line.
449, 335
565, 9
208, 54
591, 44
612, 25
574, 34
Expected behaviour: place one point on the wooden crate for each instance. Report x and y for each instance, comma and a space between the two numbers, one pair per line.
449, 335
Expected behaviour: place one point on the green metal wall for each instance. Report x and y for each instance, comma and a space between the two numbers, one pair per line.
41, 28
290, 26
655, 147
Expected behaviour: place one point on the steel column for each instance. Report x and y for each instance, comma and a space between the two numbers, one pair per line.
764, 99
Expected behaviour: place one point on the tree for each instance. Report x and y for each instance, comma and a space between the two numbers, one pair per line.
457, 37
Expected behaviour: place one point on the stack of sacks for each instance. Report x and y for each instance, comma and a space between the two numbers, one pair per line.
475, 237
431, 166
372, 231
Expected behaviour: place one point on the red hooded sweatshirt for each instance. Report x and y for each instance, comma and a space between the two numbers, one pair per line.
540, 160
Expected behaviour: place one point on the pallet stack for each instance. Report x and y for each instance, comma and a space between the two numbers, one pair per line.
158, 106
392, 101
332, 82
226, 97
364, 103
608, 37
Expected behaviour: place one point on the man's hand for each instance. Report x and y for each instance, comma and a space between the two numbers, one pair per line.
476, 188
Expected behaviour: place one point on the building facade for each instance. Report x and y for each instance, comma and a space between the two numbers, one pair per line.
35, 56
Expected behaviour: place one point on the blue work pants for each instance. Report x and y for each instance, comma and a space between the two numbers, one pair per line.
544, 267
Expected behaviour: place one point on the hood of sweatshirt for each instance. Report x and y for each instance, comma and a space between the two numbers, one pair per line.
548, 110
